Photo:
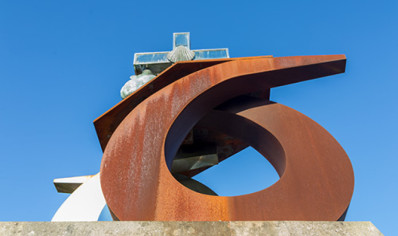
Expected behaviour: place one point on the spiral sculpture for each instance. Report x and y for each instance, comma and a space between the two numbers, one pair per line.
141, 135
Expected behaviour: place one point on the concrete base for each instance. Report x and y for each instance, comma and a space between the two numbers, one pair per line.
189, 228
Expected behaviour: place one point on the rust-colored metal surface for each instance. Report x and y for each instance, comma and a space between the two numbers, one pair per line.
106, 124
316, 177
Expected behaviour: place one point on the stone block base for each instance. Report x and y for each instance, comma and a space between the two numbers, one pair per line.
189, 228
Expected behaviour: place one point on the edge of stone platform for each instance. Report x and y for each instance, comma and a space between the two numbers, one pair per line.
190, 228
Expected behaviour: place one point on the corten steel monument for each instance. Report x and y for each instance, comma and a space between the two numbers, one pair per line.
195, 112
142, 135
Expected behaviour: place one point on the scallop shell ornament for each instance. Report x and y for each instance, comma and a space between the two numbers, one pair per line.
180, 53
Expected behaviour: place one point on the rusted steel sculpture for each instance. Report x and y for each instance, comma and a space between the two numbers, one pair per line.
142, 134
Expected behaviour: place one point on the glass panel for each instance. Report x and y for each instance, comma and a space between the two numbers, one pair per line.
156, 57
181, 39
211, 54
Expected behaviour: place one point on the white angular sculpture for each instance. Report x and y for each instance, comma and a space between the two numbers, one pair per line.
84, 204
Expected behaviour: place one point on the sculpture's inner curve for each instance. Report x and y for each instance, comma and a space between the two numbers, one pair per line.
221, 134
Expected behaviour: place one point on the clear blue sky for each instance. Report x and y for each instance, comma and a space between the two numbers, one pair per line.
62, 64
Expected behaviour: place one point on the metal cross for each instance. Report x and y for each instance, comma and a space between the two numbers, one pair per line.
159, 61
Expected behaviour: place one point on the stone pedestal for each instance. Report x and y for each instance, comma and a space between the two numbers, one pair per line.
190, 228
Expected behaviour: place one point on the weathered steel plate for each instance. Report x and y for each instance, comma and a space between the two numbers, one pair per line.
316, 175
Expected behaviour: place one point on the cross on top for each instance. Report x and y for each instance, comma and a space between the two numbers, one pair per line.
158, 61
181, 39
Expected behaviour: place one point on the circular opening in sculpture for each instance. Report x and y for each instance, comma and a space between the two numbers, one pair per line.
227, 160
242, 173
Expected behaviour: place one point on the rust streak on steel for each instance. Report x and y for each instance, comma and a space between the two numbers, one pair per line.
106, 124
316, 177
